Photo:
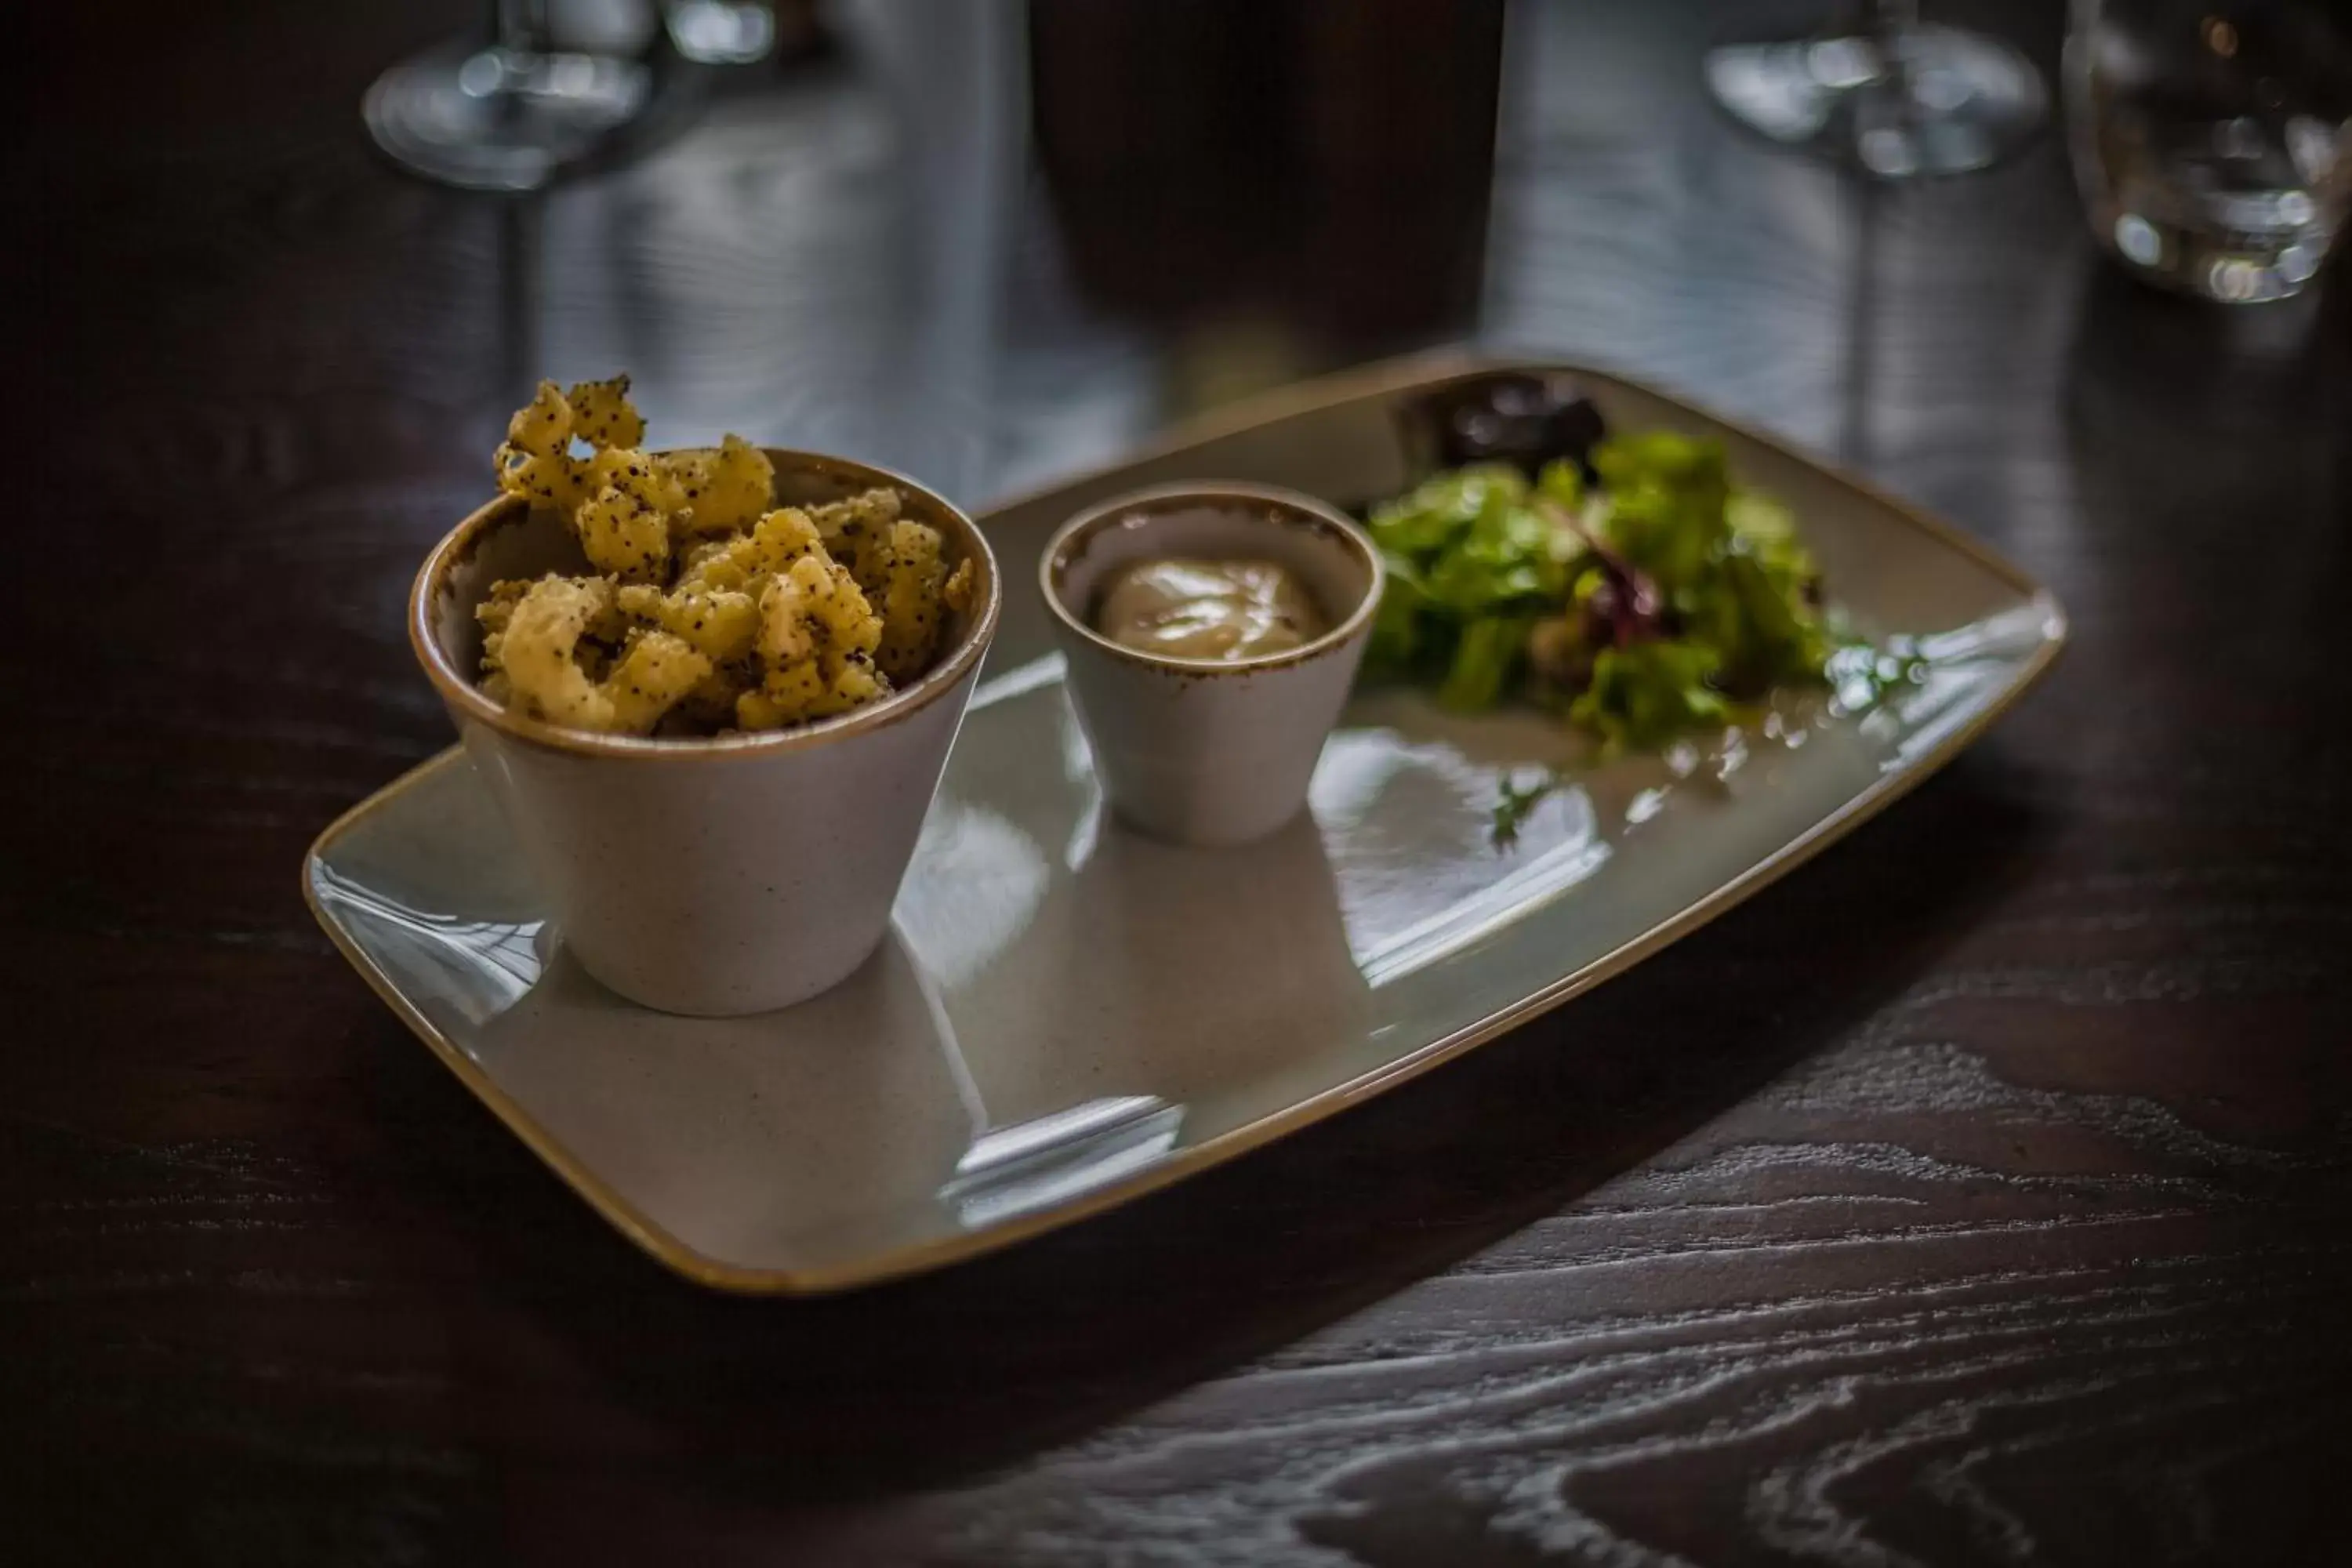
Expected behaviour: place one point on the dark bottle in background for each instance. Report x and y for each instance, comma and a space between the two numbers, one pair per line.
1323, 165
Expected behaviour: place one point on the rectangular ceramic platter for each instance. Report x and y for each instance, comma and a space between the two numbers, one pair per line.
1066, 1016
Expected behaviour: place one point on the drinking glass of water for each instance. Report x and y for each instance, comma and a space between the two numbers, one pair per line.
2212, 140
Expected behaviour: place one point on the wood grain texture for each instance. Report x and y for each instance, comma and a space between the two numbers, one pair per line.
1981, 1194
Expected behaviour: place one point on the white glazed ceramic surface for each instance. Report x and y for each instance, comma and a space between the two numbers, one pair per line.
709, 878
1066, 1013
742, 884
1195, 750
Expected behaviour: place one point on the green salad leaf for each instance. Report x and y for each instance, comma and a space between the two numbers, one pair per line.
1514, 802
1483, 659
1425, 521
1645, 694
1399, 620
1466, 553
1644, 601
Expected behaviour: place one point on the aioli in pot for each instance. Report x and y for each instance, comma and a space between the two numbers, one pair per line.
1226, 610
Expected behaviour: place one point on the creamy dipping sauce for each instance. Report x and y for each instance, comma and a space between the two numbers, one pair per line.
1226, 610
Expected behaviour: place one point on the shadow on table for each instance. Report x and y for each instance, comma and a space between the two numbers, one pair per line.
2160, 370
927, 1381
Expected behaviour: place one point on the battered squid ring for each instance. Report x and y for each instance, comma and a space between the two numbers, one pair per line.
601, 414
535, 460
539, 649
705, 606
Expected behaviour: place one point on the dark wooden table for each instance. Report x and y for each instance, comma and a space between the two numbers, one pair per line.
1979, 1194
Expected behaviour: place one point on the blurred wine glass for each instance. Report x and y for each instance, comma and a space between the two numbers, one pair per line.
720, 32
2212, 142
508, 115
1889, 95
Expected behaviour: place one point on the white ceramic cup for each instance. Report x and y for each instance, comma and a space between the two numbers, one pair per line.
1198, 750
713, 877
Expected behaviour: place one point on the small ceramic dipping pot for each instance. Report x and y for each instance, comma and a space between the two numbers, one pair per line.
1202, 750
718, 876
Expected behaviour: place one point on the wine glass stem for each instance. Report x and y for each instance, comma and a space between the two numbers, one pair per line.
521, 25
1884, 19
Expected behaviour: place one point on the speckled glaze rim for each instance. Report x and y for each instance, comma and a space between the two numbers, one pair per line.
1413, 373
459, 690
1305, 512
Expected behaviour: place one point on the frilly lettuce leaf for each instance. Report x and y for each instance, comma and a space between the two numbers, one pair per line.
1642, 696
1644, 608
1484, 659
